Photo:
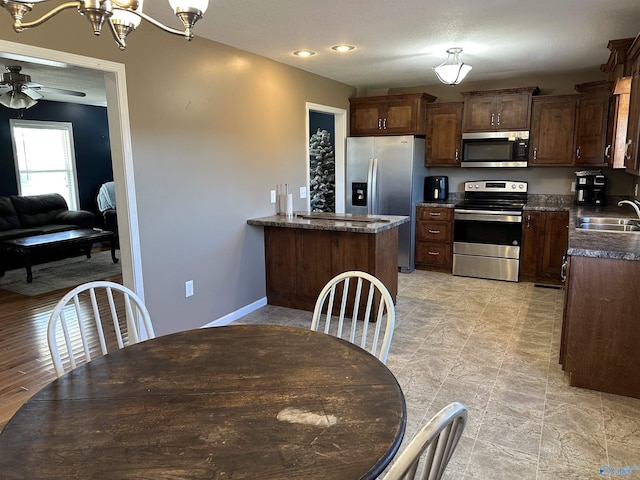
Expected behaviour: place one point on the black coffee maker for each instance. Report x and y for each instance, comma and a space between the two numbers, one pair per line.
590, 188
436, 189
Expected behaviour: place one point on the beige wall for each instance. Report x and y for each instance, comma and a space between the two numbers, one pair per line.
214, 129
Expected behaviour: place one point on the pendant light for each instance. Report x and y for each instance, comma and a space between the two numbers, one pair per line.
452, 70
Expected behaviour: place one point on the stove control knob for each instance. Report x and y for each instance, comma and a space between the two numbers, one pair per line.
521, 186
513, 186
477, 186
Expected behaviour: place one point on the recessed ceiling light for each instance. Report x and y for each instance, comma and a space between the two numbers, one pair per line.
304, 53
343, 48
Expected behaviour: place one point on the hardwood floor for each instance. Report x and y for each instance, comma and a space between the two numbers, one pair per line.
25, 362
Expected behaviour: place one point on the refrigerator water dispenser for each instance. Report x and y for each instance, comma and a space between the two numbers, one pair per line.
359, 194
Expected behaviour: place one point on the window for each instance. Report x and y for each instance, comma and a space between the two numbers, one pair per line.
45, 159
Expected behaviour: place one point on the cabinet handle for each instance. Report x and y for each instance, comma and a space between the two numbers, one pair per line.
578, 153
384, 123
379, 124
435, 254
535, 153
492, 117
528, 221
434, 232
435, 214
457, 154
563, 269
498, 119
607, 151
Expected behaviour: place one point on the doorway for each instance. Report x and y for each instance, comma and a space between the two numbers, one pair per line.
326, 142
120, 139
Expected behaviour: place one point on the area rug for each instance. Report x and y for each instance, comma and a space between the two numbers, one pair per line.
66, 273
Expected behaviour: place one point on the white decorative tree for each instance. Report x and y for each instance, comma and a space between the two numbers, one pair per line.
322, 173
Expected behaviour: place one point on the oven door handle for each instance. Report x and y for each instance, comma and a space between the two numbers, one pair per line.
486, 216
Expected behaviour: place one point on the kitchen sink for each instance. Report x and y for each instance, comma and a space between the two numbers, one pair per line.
608, 220
609, 228
608, 224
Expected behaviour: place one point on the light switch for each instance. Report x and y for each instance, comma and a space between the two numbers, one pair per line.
303, 192
188, 288
273, 196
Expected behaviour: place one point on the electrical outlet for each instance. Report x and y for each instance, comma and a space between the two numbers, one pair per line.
303, 192
635, 191
573, 186
273, 196
188, 288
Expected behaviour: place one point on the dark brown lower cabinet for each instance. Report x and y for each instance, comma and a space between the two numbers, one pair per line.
544, 244
600, 334
434, 238
299, 262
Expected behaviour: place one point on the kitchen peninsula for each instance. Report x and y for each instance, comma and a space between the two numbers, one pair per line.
304, 251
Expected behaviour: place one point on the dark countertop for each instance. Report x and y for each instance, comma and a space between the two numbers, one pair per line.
356, 223
585, 243
589, 243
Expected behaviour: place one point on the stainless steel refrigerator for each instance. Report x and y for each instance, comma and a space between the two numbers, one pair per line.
385, 176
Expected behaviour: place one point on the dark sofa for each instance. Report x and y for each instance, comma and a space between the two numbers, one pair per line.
23, 216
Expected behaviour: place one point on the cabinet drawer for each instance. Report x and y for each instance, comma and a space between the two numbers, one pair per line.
434, 231
433, 253
440, 214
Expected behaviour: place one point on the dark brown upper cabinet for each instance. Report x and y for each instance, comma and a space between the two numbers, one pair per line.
443, 134
499, 110
389, 114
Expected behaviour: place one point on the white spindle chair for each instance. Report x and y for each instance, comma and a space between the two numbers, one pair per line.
372, 302
434, 443
137, 321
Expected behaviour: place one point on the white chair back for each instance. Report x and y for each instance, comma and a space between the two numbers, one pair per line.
434, 444
77, 322
364, 300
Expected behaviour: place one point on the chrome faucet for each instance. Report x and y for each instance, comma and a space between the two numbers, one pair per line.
634, 204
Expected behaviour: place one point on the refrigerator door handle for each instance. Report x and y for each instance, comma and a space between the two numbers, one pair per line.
369, 185
372, 201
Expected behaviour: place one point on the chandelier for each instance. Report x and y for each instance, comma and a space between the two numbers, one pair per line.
122, 16
452, 70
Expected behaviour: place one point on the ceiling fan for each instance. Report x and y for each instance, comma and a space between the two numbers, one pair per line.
22, 92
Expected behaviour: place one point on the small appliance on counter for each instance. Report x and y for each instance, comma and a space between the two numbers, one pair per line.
436, 189
590, 187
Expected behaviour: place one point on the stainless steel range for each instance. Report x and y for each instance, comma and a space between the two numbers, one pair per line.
488, 229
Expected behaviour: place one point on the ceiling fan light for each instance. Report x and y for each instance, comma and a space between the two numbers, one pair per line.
452, 71
17, 100
188, 5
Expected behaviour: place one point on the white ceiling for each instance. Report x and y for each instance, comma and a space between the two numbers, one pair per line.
397, 41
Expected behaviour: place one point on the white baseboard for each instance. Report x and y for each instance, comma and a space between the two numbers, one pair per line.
233, 316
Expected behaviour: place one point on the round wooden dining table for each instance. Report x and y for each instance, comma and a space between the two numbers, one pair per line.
233, 402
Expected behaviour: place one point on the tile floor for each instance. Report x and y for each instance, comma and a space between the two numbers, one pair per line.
494, 347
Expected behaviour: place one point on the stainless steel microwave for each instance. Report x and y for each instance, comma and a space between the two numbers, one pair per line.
495, 149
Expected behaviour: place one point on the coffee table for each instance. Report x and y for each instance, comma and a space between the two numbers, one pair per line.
80, 238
